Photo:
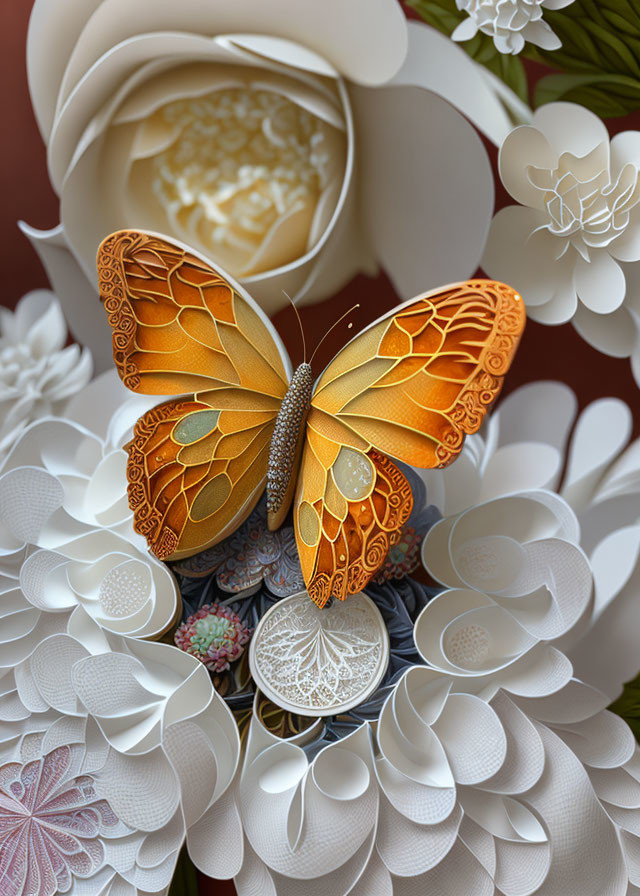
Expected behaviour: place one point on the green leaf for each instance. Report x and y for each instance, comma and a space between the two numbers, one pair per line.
445, 16
627, 706
606, 95
185, 878
601, 42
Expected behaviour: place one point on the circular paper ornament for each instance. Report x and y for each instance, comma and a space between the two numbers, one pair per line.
319, 662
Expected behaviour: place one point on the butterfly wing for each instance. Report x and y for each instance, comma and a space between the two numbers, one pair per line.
350, 507
197, 464
410, 386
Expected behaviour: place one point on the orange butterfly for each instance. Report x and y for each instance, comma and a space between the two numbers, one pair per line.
409, 386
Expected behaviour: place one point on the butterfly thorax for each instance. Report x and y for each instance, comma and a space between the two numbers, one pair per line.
286, 444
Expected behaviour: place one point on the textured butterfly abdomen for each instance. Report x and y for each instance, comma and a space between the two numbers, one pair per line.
286, 444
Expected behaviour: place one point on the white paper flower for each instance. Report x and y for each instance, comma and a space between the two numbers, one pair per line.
526, 445
516, 580
110, 749
509, 22
66, 532
452, 792
37, 373
290, 143
578, 218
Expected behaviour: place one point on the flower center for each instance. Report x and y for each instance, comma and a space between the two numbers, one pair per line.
241, 163
210, 629
586, 204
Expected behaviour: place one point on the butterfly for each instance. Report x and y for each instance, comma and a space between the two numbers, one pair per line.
409, 387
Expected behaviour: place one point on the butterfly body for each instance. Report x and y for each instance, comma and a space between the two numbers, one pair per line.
409, 387
285, 449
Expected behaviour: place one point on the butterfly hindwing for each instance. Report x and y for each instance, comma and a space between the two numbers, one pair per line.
197, 464
350, 508
411, 387
195, 474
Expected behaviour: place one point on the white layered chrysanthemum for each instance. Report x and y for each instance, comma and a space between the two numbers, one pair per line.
66, 530
509, 22
37, 373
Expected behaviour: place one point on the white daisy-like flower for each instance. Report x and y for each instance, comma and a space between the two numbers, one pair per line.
37, 373
110, 749
567, 245
509, 22
66, 530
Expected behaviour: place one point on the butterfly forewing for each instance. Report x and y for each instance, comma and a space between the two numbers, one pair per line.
197, 465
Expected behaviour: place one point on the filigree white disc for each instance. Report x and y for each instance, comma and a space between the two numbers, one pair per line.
319, 662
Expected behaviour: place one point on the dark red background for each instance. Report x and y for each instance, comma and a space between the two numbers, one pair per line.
545, 352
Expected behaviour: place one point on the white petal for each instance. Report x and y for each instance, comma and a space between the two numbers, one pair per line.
434, 63
84, 313
570, 128
369, 46
602, 430
600, 283
427, 209
587, 859
614, 334
465, 30
216, 841
524, 147
46, 58
626, 247
540, 34
520, 254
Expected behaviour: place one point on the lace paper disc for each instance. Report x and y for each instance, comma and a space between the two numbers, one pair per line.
319, 662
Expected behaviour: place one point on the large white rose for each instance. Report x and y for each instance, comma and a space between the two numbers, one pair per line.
288, 141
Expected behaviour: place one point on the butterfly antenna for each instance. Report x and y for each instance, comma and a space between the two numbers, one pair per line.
304, 344
331, 328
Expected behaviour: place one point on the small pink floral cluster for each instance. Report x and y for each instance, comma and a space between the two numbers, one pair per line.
215, 635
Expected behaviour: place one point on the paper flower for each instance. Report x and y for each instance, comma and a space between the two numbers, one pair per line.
99, 736
249, 557
66, 533
456, 792
251, 133
215, 635
37, 373
515, 579
579, 216
509, 22
51, 823
526, 445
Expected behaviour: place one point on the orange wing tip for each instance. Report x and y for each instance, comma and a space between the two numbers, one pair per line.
113, 294
473, 404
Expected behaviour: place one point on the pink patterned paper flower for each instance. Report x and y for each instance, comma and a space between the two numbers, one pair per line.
215, 635
403, 557
50, 825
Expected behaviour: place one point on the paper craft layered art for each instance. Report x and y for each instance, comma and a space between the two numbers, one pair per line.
410, 386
